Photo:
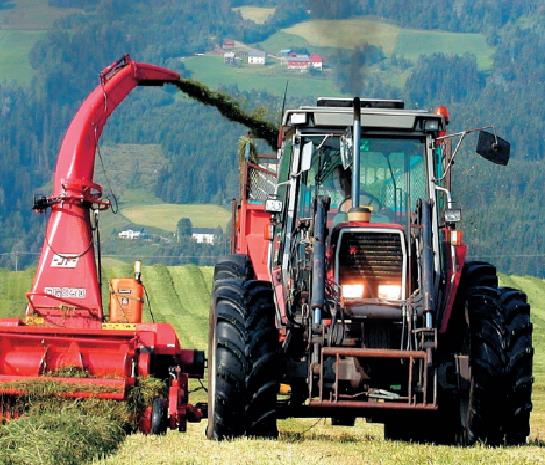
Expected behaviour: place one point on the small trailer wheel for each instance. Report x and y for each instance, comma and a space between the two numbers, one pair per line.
158, 416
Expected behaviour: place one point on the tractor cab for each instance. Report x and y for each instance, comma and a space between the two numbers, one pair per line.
369, 164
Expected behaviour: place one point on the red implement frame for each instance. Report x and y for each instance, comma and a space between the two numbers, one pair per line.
251, 219
64, 325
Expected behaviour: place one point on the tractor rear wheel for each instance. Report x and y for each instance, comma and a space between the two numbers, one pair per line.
236, 266
243, 360
496, 408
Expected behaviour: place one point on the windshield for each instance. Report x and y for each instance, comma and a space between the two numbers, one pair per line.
392, 177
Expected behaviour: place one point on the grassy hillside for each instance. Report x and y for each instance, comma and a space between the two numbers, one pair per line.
15, 45
406, 43
214, 73
180, 294
132, 171
254, 13
166, 215
22, 23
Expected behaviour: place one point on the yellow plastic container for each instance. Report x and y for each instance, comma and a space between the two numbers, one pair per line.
126, 300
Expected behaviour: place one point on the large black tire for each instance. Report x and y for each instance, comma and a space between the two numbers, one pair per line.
445, 427
233, 267
500, 355
520, 358
243, 361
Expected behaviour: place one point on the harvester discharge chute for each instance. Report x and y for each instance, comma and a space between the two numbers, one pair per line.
65, 339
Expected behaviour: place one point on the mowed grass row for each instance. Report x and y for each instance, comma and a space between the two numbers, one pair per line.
179, 295
310, 442
535, 289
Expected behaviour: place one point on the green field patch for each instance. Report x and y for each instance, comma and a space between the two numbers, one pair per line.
23, 23
283, 41
130, 167
15, 45
166, 216
392, 39
255, 13
347, 33
412, 43
32, 14
212, 71
13, 286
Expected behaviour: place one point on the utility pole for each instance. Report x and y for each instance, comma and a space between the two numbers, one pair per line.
16, 261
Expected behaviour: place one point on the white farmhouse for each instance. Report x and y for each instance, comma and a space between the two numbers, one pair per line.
257, 57
204, 235
130, 234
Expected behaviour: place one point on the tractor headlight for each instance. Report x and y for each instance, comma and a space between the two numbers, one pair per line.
352, 291
389, 292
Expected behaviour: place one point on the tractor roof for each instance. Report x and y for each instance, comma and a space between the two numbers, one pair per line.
385, 114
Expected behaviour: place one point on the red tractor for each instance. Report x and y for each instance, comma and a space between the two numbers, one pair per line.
66, 328
348, 293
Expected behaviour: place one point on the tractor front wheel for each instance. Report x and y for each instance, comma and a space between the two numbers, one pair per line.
497, 405
243, 360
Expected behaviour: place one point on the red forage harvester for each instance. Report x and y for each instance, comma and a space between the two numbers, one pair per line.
65, 329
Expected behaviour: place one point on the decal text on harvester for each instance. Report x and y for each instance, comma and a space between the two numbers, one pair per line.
66, 292
64, 261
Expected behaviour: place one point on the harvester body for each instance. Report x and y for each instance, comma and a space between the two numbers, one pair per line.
361, 273
65, 329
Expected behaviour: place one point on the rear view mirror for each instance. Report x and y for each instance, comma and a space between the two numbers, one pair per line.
345, 149
493, 148
306, 159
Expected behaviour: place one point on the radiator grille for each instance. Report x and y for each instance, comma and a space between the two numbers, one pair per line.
371, 258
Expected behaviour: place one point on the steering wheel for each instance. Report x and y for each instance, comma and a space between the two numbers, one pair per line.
373, 201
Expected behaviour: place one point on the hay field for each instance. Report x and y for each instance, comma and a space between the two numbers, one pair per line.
255, 13
406, 43
166, 215
302, 443
212, 71
180, 294
22, 23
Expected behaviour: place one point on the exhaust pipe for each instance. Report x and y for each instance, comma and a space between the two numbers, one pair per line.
356, 138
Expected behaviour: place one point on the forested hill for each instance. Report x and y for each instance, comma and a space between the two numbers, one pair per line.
502, 208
